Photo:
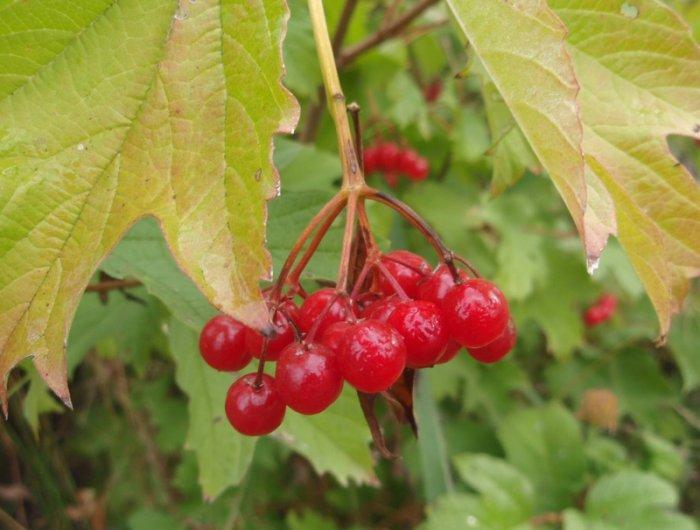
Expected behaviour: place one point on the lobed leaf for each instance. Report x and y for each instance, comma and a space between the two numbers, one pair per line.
114, 110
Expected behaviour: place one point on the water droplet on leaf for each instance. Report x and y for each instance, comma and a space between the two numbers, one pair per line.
629, 10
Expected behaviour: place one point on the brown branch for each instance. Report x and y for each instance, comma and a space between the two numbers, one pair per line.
6, 521
384, 33
111, 285
547, 518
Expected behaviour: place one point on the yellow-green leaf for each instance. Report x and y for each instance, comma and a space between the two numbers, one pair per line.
521, 46
639, 71
111, 110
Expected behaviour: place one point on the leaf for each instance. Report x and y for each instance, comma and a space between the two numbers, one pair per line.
546, 445
305, 167
631, 500
507, 493
309, 520
336, 441
37, 401
175, 121
521, 47
683, 342
223, 455
149, 519
639, 71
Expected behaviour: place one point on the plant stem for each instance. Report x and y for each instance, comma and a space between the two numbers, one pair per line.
110, 285
8, 522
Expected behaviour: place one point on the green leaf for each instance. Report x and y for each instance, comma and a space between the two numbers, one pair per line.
309, 520
37, 401
149, 519
222, 454
175, 120
683, 342
632, 500
407, 104
639, 72
521, 47
507, 493
123, 326
305, 167
336, 441
546, 445
470, 136
303, 71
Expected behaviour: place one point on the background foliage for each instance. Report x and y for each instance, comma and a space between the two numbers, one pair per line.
580, 429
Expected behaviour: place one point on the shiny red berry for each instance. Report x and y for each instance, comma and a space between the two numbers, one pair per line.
381, 309
308, 377
499, 348
450, 352
372, 356
388, 156
222, 344
476, 312
420, 170
423, 329
315, 305
434, 287
601, 311
252, 410
432, 91
371, 160
334, 335
407, 269
284, 333
407, 161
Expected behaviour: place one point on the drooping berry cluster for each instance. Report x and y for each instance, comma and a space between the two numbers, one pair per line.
601, 311
393, 161
402, 315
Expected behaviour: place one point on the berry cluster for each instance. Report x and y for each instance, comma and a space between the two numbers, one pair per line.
401, 315
393, 161
601, 311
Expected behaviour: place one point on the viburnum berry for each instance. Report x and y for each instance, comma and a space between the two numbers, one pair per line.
308, 377
601, 311
433, 287
407, 269
450, 352
284, 333
432, 91
253, 409
334, 335
222, 344
497, 349
325, 304
476, 312
381, 309
388, 156
420, 170
423, 329
372, 356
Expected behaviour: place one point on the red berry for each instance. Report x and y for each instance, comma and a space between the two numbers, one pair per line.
450, 352
316, 304
420, 170
381, 309
254, 410
407, 269
222, 344
334, 335
601, 311
308, 377
499, 348
372, 356
371, 160
283, 328
434, 287
388, 156
432, 91
407, 161
423, 329
476, 312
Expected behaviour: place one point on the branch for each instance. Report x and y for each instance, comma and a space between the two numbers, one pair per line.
6, 521
384, 33
111, 285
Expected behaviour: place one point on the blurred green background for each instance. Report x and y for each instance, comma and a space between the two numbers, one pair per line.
580, 429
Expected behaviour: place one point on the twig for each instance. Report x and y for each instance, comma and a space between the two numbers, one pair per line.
111, 285
6, 521
313, 119
384, 34
546, 518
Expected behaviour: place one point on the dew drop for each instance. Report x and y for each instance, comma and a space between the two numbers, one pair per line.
81, 147
471, 520
182, 14
629, 10
592, 264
